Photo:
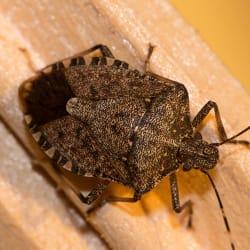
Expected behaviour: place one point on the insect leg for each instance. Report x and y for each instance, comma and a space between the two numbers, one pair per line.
176, 201
147, 61
103, 48
204, 112
77, 59
133, 199
95, 193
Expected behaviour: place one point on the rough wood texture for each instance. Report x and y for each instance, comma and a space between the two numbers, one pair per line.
33, 215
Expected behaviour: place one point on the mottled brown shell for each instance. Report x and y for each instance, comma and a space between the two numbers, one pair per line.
119, 124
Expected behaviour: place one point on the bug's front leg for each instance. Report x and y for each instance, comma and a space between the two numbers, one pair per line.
204, 112
176, 201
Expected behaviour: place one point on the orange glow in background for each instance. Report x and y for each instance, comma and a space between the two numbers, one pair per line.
225, 26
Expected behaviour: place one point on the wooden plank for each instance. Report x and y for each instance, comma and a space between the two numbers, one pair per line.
52, 30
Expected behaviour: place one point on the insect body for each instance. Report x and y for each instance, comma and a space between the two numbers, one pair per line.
102, 118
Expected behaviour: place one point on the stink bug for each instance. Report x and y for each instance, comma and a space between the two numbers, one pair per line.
99, 117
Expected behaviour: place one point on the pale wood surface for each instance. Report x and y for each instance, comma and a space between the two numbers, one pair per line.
33, 215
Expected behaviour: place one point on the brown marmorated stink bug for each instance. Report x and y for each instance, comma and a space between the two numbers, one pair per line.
103, 119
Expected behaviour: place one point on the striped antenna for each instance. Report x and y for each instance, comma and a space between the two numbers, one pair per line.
231, 139
221, 207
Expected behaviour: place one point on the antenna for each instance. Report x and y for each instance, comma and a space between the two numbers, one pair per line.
221, 207
231, 139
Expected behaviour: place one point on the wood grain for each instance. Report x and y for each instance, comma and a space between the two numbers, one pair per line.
35, 33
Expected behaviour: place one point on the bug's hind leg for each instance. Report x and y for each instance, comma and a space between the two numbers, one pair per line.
103, 48
147, 61
78, 59
176, 201
93, 195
